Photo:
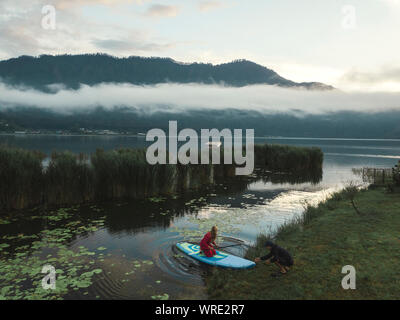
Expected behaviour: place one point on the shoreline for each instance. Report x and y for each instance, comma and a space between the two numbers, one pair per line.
144, 136
324, 240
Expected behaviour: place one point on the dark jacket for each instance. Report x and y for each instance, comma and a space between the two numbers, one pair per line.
279, 254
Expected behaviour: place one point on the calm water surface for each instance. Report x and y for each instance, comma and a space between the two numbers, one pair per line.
133, 242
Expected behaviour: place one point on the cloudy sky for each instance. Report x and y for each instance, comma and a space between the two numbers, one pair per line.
351, 44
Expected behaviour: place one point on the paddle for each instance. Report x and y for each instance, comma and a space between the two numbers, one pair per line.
232, 245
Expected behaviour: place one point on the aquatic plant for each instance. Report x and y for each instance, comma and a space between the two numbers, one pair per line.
288, 158
125, 174
21, 178
21, 264
68, 179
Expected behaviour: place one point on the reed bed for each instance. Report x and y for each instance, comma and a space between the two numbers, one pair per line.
288, 158
21, 177
123, 173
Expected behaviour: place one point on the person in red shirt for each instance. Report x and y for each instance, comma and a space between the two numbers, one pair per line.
206, 245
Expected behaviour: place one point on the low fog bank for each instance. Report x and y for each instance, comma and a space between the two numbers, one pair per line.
345, 124
178, 98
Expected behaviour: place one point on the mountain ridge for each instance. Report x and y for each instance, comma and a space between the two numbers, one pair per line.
91, 69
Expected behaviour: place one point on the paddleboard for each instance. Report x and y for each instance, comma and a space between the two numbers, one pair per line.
221, 259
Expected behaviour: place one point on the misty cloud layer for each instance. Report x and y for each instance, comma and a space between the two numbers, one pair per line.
181, 98
387, 73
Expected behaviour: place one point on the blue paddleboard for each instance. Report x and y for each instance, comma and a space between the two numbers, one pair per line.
220, 259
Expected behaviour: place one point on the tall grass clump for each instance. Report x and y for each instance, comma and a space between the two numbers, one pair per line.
68, 179
125, 173
21, 178
122, 173
288, 158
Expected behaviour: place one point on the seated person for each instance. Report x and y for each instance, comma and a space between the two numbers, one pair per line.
206, 245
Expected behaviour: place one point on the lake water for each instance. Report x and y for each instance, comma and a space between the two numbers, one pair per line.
132, 244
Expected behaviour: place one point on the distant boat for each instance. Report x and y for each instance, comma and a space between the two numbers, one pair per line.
20, 132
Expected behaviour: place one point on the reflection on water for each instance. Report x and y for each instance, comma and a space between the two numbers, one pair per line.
134, 245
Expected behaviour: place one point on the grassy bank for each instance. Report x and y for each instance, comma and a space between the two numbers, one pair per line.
322, 242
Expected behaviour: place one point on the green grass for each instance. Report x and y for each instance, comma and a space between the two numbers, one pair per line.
326, 239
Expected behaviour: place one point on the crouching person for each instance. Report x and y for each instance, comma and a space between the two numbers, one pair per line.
279, 256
